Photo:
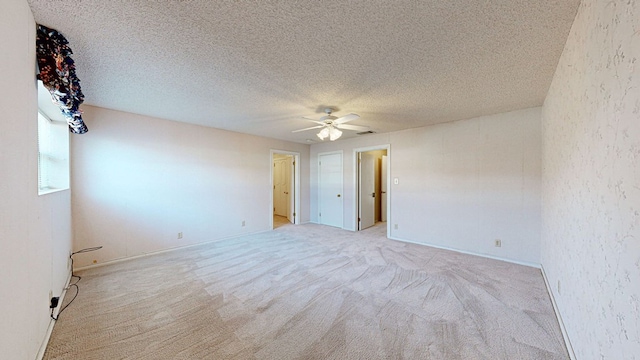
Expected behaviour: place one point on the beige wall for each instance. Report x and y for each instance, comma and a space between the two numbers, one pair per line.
35, 231
138, 181
591, 192
461, 184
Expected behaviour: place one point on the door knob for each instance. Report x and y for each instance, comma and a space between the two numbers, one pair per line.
338, 195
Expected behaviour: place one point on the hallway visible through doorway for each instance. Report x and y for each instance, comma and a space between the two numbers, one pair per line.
371, 187
280, 221
285, 186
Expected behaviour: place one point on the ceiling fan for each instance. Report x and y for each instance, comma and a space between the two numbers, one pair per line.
331, 125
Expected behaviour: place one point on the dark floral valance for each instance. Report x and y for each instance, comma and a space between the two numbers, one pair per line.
58, 74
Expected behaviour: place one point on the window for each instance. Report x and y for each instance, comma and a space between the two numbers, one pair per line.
53, 155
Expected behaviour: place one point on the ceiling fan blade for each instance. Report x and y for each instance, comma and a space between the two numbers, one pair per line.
346, 118
309, 128
313, 120
353, 127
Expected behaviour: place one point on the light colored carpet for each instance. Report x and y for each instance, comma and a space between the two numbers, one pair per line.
310, 292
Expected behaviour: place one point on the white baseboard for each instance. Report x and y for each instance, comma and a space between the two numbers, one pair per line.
565, 336
524, 263
127, 258
45, 341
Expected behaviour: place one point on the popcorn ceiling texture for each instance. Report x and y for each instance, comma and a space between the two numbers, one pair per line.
258, 66
591, 177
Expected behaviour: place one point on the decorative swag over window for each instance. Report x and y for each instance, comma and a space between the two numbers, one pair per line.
58, 74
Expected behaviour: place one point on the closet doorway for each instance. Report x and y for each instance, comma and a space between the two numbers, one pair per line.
285, 175
371, 175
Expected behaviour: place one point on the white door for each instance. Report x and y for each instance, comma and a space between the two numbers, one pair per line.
330, 189
367, 190
383, 189
280, 187
290, 174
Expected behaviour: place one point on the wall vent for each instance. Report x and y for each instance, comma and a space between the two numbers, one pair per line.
366, 132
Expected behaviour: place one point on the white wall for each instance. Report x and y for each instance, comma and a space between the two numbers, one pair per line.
35, 231
591, 192
138, 181
461, 184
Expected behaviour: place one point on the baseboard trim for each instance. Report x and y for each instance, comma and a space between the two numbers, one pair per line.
524, 263
47, 337
127, 258
565, 336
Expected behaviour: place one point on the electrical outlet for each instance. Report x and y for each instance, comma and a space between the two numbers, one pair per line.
395, 226
243, 223
498, 243
180, 235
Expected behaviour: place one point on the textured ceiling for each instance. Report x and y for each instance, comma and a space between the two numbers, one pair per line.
257, 67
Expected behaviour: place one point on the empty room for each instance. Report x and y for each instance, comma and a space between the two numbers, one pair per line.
320, 179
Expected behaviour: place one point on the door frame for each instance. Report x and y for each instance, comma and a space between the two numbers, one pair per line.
356, 198
296, 185
341, 175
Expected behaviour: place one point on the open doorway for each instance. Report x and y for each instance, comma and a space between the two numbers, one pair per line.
285, 187
371, 186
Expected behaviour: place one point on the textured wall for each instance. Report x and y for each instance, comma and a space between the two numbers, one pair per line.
138, 181
591, 192
35, 231
461, 184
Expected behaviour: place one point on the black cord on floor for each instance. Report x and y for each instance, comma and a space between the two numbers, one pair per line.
69, 303
75, 284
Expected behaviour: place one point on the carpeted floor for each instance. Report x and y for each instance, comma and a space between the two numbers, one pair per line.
310, 292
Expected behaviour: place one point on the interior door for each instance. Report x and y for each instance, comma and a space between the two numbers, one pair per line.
367, 190
290, 198
280, 187
383, 189
330, 189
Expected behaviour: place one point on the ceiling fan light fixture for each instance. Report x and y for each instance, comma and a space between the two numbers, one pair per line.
331, 125
324, 133
334, 134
